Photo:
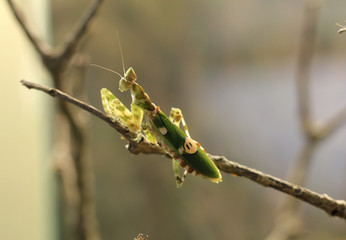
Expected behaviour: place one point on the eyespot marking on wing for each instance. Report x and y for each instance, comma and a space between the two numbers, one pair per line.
190, 146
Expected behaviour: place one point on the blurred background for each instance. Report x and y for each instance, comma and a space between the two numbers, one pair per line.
230, 66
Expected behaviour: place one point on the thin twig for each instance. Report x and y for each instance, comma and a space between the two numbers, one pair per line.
306, 50
57, 93
342, 28
136, 147
73, 38
324, 202
331, 206
333, 124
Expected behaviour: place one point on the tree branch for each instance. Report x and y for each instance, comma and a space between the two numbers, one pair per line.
306, 50
41, 47
135, 147
73, 38
288, 224
324, 202
330, 206
57, 60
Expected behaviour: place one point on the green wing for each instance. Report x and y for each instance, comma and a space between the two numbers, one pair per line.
175, 138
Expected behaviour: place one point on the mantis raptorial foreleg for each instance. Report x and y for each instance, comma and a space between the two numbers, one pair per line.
115, 109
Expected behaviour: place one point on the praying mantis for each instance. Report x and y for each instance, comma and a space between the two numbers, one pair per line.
158, 128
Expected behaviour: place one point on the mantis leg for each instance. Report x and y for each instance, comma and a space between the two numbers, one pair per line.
151, 138
178, 180
176, 117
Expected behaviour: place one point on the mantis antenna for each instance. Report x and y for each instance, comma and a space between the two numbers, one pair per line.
107, 69
121, 53
122, 60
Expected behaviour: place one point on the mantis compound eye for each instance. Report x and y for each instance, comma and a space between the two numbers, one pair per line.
190, 146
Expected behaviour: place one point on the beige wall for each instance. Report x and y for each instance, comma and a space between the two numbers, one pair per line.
26, 202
